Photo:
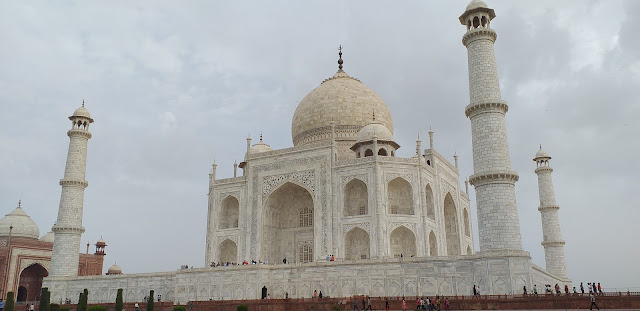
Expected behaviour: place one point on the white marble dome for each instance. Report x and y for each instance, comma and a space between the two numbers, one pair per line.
49, 237
260, 147
82, 112
23, 225
342, 99
115, 269
542, 154
374, 128
476, 4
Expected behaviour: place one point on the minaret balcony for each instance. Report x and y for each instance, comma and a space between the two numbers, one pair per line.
479, 34
79, 132
548, 208
493, 177
74, 183
474, 109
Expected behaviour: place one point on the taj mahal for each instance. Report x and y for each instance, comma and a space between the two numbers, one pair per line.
395, 226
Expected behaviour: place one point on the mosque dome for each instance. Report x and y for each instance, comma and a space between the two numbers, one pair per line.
47, 237
101, 242
23, 225
475, 4
342, 99
542, 154
374, 128
115, 269
260, 147
82, 112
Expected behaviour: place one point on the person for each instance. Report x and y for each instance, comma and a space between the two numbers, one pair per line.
475, 291
438, 303
355, 304
32, 307
574, 290
320, 295
369, 303
364, 305
284, 261
589, 288
286, 295
557, 289
593, 302
417, 303
269, 296
404, 305
566, 289
1, 304
524, 288
315, 293
137, 306
386, 304
535, 290
581, 288
595, 289
446, 304
599, 289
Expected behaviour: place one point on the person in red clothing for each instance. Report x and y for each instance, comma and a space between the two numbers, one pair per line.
566, 289
599, 289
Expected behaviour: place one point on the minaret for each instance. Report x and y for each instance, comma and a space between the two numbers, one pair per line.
493, 177
68, 227
551, 235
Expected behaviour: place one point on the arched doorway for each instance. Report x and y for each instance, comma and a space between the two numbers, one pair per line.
451, 226
31, 281
355, 198
288, 225
356, 244
228, 251
433, 244
22, 294
403, 242
400, 197
229, 213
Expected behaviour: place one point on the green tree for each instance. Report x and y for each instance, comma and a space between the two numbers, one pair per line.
179, 308
47, 300
118, 306
43, 296
9, 302
98, 308
82, 302
150, 301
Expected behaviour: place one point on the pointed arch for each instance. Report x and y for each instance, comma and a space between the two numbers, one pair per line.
228, 251
431, 211
357, 244
288, 218
469, 252
31, 280
356, 198
400, 197
382, 152
467, 223
433, 244
229, 213
451, 226
368, 153
402, 242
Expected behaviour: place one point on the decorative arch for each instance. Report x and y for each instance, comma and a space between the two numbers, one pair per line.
467, 223
228, 251
431, 211
356, 198
382, 152
433, 244
357, 244
288, 218
469, 252
402, 242
229, 212
451, 226
31, 280
368, 153
400, 197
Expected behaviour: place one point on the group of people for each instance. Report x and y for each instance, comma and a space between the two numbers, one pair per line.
421, 304
244, 263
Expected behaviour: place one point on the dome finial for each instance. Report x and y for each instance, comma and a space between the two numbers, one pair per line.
374, 115
20, 203
340, 62
83, 103
260, 136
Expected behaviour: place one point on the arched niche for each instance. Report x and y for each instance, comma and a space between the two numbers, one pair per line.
431, 211
433, 244
451, 226
382, 152
356, 198
31, 279
356, 244
467, 223
288, 218
368, 153
402, 242
229, 213
400, 197
469, 252
228, 251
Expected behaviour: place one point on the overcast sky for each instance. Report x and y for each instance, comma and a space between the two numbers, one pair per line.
171, 85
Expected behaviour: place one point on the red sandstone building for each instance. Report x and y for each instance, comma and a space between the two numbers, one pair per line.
25, 257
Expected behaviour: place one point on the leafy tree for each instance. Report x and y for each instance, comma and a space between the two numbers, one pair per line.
179, 308
150, 301
98, 308
82, 302
118, 306
47, 300
9, 302
43, 296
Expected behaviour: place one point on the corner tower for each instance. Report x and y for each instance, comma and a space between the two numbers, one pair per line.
68, 227
493, 178
551, 235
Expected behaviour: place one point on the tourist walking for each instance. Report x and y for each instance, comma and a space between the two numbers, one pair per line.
315, 293
581, 288
320, 295
475, 291
386, 304
595, 289
355, 305
404, 305
446, 304
535, 290
369, 303
363, 304
593, 302
566, 289
599, 289
524, 289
